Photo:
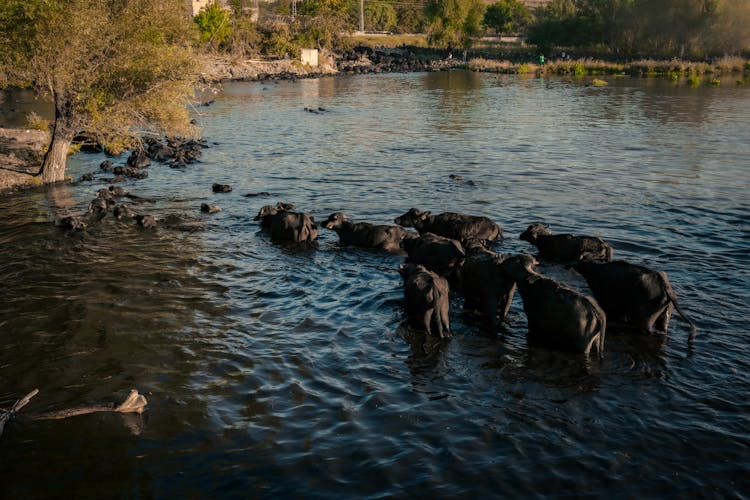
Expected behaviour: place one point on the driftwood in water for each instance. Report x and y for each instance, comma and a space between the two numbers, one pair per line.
5, 415
134, 403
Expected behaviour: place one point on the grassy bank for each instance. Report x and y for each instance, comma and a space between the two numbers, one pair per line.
694, 72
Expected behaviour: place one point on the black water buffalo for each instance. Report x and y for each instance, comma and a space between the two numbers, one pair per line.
285, 225
364, 234
487, 288
559, 318
451, 225
437, 253
634, 297
426, 300
566, 247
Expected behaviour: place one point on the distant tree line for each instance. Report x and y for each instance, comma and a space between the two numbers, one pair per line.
664, 27
684, 28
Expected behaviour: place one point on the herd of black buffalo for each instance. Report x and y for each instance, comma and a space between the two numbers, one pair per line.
450, 251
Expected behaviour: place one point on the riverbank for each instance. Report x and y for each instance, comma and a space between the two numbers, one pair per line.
382, 59
21, 152
222, 68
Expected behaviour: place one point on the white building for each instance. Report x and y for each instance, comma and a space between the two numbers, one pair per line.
197, 5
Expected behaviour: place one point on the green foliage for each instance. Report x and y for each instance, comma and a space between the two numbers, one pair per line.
322, 7
524, 69
453, 23
214, 23
665, 27
380, 16
579, 69
279, 40
507, 16
409, 18
694, 80
36, 122
245, 38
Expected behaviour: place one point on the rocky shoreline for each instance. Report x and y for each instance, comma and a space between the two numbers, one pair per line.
21, 152
358, 60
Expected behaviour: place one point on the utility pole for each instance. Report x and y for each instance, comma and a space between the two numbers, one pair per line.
294, 9
362, 16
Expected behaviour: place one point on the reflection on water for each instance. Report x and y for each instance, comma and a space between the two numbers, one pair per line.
272, 370
16, 104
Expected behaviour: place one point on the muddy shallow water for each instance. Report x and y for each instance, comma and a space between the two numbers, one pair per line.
280, 371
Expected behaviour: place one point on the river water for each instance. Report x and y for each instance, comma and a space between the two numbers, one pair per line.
275, 371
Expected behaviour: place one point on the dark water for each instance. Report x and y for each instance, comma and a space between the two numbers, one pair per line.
275, 371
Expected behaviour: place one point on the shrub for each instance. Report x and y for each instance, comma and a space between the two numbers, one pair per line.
524, 69
579, 69
36, 122
214, 23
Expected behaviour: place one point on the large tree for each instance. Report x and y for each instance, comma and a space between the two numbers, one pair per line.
507, 16
454, 23
111, 67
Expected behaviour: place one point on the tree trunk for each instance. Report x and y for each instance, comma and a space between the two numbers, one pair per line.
53, 167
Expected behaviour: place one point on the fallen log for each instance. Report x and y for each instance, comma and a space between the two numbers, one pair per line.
134, 403
6, 415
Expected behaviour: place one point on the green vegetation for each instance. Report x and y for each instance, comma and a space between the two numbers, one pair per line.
453, 23
507, 16
214, 23
613, 29
111, 68
683, 28
36, 122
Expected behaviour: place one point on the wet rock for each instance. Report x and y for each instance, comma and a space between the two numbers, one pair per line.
118, 191
138, 159
98, 206
124, 212
106, 195
221, 188
174, 151
71, 223
145, 221
210, 209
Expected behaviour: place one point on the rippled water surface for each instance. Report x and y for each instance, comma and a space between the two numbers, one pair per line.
279, 371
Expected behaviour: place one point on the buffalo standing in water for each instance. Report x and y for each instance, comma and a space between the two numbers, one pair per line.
459, 227
426, 299
437, 253
364, 234
285, 225
566, 247
487, 288
559, 317
634, 297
